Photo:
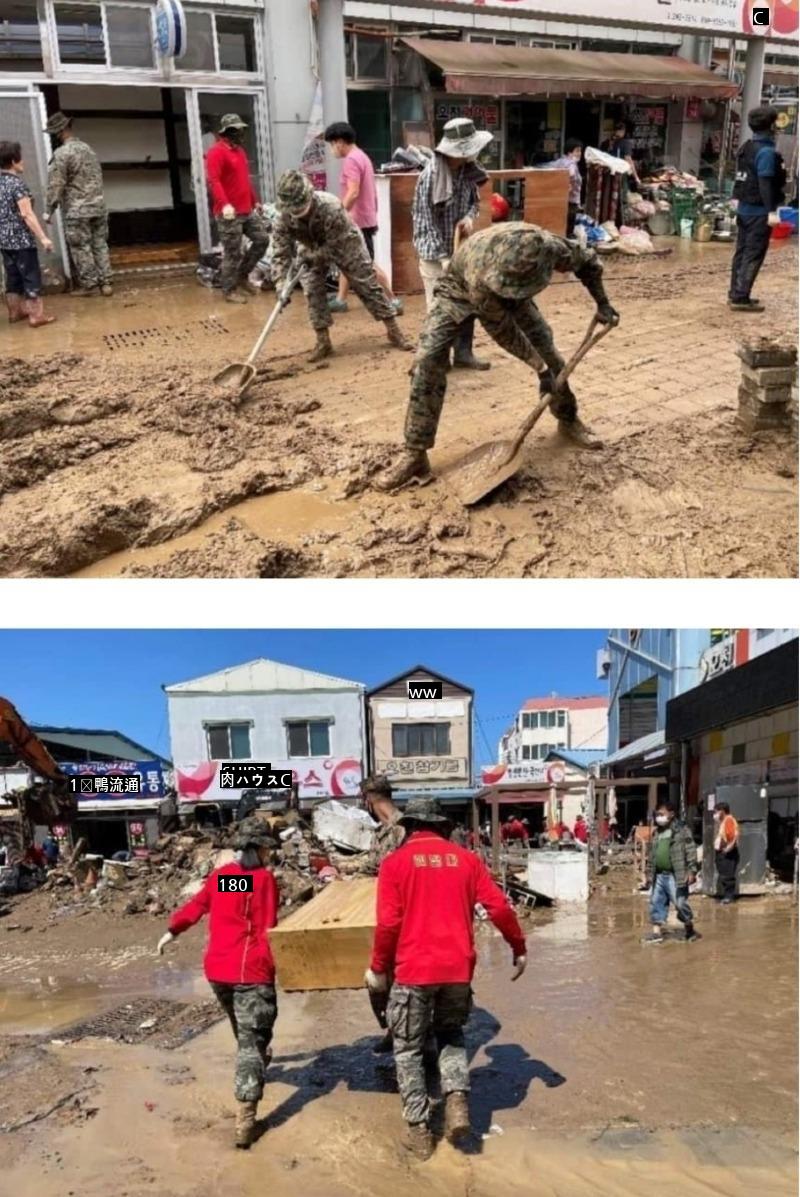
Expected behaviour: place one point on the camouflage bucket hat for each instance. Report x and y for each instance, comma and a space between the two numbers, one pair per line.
231, 121
294, 191
512, 269
253, 833
423, 810
57, 124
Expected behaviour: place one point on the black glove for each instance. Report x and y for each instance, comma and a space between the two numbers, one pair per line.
564, 394
547, 382
606, 314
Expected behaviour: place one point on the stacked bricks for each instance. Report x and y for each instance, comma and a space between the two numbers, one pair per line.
768, 383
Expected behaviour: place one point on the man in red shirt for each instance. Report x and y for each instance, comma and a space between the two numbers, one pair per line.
238, 961
580, 831
427, 892
235, 206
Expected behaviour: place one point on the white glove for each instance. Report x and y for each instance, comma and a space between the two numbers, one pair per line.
376, 982
773, 219
520, 964
228, 212
162, 943
48, 216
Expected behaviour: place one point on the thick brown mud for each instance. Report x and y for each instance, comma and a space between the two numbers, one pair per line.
120, 456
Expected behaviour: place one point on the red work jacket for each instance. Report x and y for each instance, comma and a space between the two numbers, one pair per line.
427, 892
228, 174
238, 950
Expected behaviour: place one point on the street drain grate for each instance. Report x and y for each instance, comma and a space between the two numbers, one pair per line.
143, 338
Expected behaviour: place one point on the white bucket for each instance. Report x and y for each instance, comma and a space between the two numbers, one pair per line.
687, 226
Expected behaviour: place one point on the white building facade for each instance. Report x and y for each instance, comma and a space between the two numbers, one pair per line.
554, 724
266, 712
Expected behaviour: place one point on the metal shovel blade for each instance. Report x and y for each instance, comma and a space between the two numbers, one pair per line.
237, 377
483, 470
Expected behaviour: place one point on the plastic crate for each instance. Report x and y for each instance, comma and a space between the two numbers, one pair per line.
684, 206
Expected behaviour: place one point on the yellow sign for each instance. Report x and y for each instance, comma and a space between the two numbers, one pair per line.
783, 120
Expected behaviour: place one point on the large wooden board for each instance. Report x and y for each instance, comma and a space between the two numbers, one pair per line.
327, 943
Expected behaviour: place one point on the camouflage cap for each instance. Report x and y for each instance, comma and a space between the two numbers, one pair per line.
231, 121
514, 264
253, 833
423, 810
294, 191
57, 124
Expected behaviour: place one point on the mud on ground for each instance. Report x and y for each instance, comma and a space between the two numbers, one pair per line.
132, 462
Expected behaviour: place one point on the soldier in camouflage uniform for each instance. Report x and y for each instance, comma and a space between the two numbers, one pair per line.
236, 208
427, 891
238, 961
316, 224
495, 276
75, 183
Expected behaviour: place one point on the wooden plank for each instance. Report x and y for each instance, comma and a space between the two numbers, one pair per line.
327, 943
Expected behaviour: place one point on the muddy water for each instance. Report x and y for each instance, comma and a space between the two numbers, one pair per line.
287, 515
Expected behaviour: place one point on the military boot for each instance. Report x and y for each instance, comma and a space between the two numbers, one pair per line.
463, 357
419, 1140
16, 307
323, 347
245, 1123
86, 292
106, 289
395, 335
456, 1117
579, 433
235, 297
413, 465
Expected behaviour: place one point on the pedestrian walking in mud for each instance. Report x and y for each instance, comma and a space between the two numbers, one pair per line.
238, 961
427, 891
494, 277
672, 869
75, 185
570, 162
760, 189
446, 203
726, 852
236, 208
19, 232
315, 225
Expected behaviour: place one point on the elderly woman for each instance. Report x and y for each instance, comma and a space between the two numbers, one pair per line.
19, 232
241, 900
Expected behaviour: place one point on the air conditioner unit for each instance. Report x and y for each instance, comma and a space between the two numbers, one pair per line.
603, 663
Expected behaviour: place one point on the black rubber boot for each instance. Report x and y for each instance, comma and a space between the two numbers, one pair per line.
463, 357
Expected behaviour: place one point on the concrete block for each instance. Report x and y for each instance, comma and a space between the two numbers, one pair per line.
762, 352
769, 376
764, 396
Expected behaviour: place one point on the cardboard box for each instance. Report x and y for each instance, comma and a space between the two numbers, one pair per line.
327, 943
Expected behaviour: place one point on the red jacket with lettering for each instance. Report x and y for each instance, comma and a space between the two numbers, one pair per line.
427, 892
238, 951
228, 174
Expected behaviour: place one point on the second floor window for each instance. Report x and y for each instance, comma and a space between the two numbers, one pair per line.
309, 737
420, 739
228, 741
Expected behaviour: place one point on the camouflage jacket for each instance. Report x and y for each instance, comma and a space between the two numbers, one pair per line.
75, 181
326, 232
513, 262
682, 853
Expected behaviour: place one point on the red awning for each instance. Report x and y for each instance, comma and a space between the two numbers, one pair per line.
475, 68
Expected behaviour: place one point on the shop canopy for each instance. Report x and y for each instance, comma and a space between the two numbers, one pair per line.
475, 68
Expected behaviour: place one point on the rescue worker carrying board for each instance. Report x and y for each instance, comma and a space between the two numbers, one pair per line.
760, 188
495, 276
238, 961
427, 892
317, 223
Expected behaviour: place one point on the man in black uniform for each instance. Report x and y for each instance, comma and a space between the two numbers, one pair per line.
759, 188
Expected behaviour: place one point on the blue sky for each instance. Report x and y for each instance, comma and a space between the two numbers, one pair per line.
113, 679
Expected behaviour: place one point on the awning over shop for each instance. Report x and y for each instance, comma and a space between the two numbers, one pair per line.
650, 747
478, 69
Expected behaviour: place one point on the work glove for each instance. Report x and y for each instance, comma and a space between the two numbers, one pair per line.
228, 212
376, 982
162, 943
379, 1002
607, 315
773, 219
466, 225
520, 964
48, 216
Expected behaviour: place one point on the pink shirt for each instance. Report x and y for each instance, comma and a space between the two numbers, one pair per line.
357, 168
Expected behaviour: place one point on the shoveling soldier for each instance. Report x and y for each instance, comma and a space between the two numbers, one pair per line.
75, 184
495, 276
316, 224
238, 961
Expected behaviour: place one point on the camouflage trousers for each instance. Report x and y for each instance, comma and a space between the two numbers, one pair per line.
252, 1010
518, 325
413, 1012
355, 263
236, 264
87, 238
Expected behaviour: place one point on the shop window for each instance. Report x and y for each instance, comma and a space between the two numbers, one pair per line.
79, 28
228, 741
738, 754
199, 54
420, 739
526, 752
20, 42
236, 44
562, 719
130, 37
309, 737
366, 58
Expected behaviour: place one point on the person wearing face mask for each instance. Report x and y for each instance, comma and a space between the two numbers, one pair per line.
726, 852
236, 208
672, 869
238, 962
75, 185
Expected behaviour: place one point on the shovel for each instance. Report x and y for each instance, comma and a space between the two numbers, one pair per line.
241, 374
490, 465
